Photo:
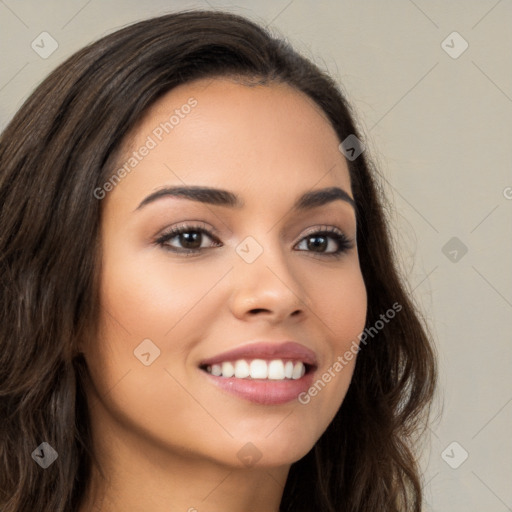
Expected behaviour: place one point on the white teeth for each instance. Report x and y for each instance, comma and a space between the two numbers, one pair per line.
227, 370
298, 371
276, 369
259, 369
241, 369
216, 369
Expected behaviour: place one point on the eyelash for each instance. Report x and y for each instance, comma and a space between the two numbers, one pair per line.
344, 243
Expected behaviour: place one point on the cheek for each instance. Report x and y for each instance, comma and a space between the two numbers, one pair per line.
343, 311
148, 305
342, 307
150, 296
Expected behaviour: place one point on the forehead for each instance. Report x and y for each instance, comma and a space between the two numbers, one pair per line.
254, 140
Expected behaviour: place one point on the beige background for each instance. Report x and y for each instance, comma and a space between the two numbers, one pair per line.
440, 130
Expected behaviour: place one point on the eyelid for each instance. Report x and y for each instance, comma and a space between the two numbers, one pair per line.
328, 229
192, 225
323, 228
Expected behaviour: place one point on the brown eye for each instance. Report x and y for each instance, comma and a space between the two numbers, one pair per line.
317, 243
190, 239
328, 242
186, 239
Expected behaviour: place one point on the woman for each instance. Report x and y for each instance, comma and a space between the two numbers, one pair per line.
201, 305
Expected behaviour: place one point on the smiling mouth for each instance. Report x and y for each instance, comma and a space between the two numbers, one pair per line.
260, 369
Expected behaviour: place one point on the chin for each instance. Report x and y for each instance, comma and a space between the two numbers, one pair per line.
272, 451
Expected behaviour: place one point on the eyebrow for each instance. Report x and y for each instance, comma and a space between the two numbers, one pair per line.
220, 197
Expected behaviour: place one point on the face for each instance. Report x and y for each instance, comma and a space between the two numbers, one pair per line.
253, 281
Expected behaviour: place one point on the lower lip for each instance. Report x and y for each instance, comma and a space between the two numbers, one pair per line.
263, 391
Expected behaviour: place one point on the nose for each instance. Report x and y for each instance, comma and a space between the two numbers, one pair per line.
268, 287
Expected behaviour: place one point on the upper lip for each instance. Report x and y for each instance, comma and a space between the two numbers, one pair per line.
266, 350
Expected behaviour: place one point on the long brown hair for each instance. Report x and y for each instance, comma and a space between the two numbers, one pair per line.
59, 147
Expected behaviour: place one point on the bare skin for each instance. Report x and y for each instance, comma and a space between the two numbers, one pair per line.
167, 439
